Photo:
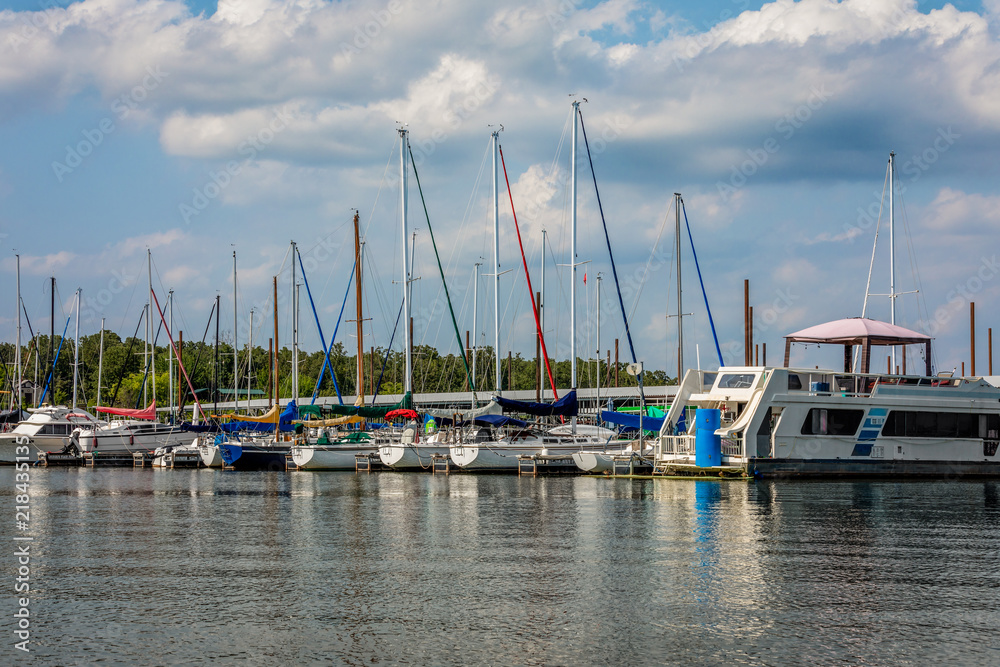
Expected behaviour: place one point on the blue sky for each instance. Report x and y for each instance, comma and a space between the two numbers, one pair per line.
774, 120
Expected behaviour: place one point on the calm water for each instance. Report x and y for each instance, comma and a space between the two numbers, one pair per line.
177, 566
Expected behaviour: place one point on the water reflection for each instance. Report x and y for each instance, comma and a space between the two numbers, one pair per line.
199, 565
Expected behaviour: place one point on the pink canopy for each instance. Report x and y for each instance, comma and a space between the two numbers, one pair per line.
148, 414
858, 331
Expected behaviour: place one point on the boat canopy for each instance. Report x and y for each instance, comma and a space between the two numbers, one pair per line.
498, 420
564, 407
859, 331
148, 414
629, 421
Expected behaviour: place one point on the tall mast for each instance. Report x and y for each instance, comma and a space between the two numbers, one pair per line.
496, 261
274, 374
572, 257
52, 337
475, 322
170, 355
76, 350
680, 308
17, 305
215, 381
892, 250
249, 358
361, 325
152, 335
236, 353
541, 305
295, 332
407, 378
100, 363
598, 348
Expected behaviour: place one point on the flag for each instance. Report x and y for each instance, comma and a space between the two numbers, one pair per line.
584, 277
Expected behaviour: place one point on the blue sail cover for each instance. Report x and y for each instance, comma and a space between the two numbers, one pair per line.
288, 415
632, 421
498, 420
564, 407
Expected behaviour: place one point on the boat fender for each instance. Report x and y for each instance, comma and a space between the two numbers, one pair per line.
131, 439
95, 441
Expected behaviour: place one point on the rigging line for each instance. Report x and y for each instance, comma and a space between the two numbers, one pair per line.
871, 264
172, 345
371, 215
444, 281
388, 351
534, 306
649, 262
704, 294
48, 382
128, 355
326, 355
607, 238
149, 362
456, 253
322, 338
197, 359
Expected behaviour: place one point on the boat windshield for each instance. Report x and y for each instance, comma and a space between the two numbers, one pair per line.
736, 380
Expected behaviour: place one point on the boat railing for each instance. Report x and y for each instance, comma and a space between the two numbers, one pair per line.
675, 444
732, 446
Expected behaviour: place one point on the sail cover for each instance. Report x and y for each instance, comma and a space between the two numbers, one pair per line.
564, 407
632, 421
491, 408
149, 414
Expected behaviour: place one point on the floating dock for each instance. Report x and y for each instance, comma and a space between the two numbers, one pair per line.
547, 464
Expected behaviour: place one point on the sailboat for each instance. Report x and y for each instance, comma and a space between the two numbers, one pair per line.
503, 451
340, 452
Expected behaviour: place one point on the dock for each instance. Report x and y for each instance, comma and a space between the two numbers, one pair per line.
546, 464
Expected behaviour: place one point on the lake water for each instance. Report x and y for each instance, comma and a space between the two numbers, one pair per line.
138, 567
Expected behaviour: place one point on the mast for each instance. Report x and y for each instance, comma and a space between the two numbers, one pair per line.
215, 381
170, 355
892, 251
149, 323
277, 391
295, 332
407, 377
76, 350
496, 262
572, 258
249, 359
680, 308
541, 306
52, 336
361, 325
100, 363
475, 322
598, 348
17, 305
236, 354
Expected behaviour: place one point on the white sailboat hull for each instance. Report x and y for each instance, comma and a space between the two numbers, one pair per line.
414, 456
329, 457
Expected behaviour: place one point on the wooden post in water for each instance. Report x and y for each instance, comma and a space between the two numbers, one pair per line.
972, 335
756, 355
963, 369
750, 332
888, 364
989, 350
763, 350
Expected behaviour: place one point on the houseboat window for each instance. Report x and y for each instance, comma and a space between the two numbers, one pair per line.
736, 381
794, 382
824, 421
912, 424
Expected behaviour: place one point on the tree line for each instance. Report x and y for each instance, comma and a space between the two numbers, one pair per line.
126, 375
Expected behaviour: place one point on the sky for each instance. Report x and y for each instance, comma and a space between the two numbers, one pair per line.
202, 129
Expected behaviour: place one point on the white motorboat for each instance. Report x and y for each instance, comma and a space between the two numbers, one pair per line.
48, 428
129, 435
